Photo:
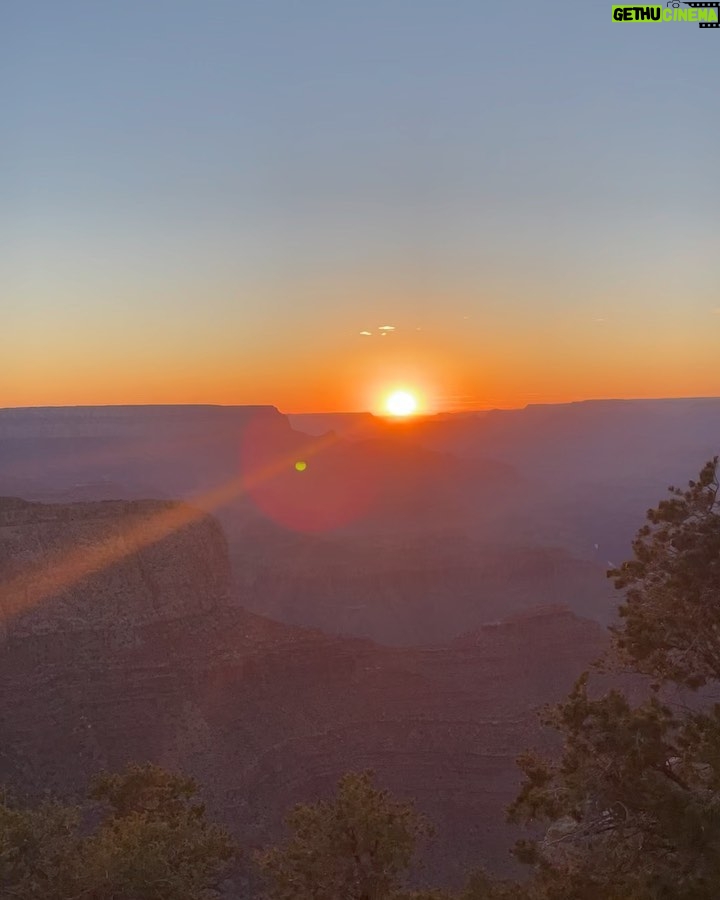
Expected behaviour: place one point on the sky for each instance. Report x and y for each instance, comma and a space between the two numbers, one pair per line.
210, 201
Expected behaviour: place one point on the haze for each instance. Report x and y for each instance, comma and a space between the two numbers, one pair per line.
347, 353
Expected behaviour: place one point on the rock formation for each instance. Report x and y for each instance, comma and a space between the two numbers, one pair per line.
134, 651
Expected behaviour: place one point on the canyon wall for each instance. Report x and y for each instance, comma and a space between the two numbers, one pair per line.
147, 658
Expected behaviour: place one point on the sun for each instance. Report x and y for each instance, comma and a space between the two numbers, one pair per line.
401, 403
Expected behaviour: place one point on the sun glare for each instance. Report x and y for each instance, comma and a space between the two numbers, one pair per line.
401, 403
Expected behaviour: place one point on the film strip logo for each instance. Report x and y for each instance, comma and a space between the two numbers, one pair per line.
715, 5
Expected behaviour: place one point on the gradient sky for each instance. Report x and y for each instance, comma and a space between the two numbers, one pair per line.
209, 201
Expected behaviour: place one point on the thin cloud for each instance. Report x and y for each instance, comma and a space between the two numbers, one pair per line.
386, 328
366, 333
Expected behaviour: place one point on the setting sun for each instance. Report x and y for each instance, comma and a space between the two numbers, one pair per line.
401, 403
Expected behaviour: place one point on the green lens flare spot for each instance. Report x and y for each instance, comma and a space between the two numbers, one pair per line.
300, 465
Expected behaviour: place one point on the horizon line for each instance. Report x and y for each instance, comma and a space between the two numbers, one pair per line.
360, 412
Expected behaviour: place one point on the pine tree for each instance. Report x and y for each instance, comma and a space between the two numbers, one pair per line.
632, 807
357, 846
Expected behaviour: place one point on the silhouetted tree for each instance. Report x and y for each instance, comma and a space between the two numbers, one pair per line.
671, 615
152, 843
39, 850
634, 801
357, 846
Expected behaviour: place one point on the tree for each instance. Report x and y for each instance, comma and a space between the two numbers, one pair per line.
37, 850
671, 616
152, 842
149, 791
357, 846
634, 801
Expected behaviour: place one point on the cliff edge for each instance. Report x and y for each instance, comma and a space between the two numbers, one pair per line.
111, 566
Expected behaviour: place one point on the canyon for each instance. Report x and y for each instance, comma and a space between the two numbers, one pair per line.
144, 653
174, 588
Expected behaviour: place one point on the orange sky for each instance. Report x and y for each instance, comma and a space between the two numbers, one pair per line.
451, 370
184, 222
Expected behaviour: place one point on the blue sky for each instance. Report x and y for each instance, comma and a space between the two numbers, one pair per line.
245, 186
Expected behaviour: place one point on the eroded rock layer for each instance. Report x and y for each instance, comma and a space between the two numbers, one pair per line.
139, 655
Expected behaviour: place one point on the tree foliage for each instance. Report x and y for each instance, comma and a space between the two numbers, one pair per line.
152, 842
671, 615
357, 846
38, 851
632, 807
